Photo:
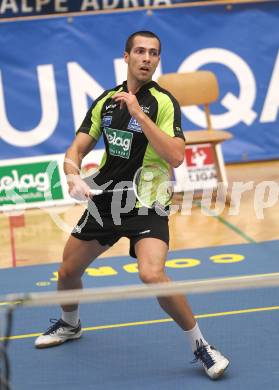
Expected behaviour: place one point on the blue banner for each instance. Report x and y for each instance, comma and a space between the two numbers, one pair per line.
52, 69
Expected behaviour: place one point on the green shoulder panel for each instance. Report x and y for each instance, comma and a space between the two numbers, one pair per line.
166, 113
168, 118
165, 121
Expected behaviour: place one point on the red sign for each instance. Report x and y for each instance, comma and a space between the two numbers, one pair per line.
199, 156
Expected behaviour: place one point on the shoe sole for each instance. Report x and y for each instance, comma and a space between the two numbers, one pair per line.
220, 373
54, 344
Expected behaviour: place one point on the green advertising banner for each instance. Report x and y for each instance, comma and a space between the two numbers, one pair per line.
30, 182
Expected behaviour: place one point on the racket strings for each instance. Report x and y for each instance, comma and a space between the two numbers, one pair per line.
153, 186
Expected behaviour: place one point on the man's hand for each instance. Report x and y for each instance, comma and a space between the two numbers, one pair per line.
130, 100
78, 189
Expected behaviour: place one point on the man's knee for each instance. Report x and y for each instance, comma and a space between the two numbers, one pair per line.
69, 271
65, 274
152, 275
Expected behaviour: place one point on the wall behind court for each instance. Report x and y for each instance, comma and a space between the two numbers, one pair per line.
52, 69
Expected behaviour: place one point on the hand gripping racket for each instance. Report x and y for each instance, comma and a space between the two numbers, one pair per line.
151, 186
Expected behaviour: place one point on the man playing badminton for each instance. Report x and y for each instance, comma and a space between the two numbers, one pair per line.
141, 126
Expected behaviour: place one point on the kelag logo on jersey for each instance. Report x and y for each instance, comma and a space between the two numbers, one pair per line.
134, 125
119, 141
106, 121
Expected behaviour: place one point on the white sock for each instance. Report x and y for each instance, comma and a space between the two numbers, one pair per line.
71, 317
195, 335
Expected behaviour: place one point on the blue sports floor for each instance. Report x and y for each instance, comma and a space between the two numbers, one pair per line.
134, 345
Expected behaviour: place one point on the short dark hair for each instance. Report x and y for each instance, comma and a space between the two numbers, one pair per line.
149, 34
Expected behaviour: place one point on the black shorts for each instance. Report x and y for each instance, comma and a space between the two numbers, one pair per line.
133, 226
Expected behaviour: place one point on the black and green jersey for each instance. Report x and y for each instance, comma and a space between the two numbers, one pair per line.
126, 146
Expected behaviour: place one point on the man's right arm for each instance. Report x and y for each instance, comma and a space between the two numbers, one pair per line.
81, 146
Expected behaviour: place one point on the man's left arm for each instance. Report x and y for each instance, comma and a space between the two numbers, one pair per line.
170, 148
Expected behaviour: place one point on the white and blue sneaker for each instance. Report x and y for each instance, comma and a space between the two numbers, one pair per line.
57, 334
214, 363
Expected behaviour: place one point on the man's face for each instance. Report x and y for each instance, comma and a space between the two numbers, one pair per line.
143, 58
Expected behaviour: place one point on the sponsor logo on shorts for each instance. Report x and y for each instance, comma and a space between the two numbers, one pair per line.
106, 121
77, 229
145, 232
120, 142
134, 125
